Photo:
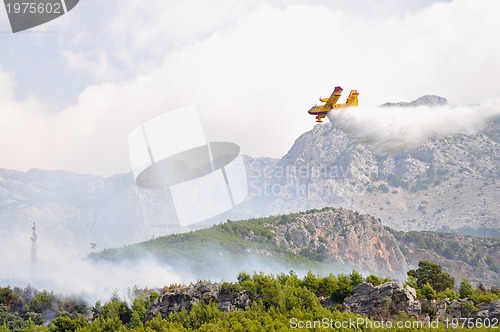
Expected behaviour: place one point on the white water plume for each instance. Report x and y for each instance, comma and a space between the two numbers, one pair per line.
395, 129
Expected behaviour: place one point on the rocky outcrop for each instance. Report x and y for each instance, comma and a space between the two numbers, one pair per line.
449, 309
344, 236
489, 310
463, 308
391, 299
385, 301
184, 297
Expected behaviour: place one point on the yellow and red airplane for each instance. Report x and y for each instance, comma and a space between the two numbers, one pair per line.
330, 103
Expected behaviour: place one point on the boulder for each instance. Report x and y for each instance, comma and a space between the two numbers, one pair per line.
384, 301
489, 310
184, 297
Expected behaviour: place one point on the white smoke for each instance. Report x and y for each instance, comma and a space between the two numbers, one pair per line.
395, 129
99, 279
65, 273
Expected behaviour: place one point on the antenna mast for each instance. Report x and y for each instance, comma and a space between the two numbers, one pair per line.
34, 259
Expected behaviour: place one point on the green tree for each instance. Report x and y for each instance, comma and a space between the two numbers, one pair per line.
428, 292
289, 279
35, 317
311, 282
115, 309
11, 321
374, 280
433, 274
293, 280
153, 296
74, 305
157, 324
107, 325
44, 301
135, 320
243, 276
465, 289
66, 324
448, 293
9, 298
344, 288
140, 306
31, 326
327, 285
266, 289
96, 309
355, 279
412, 282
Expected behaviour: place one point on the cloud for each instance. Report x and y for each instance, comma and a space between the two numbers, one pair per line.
395, 129
93, 63
4, 19
253, 71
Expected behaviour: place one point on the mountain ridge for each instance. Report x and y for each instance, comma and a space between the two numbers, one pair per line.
446, 183
427, 100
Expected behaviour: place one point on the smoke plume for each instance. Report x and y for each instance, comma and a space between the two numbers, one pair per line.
395, 129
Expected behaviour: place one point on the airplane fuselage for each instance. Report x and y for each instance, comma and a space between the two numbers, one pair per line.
323, 109
320, 112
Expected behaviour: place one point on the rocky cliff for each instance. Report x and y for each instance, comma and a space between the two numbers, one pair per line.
343, 236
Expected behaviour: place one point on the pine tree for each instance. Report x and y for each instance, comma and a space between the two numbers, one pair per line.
433, 274
466, 289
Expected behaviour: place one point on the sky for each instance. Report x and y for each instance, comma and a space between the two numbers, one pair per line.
73, 89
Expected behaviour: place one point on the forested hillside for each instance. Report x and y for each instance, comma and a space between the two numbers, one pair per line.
320, 240
261, 302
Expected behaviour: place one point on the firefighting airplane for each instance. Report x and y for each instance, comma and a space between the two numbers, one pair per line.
330, 103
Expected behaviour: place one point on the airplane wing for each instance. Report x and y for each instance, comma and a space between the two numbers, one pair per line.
334, 97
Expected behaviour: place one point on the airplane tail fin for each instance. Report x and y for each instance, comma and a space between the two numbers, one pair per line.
352, 100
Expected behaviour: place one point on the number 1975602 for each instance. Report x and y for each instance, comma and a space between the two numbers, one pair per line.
34, 8
464, 322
